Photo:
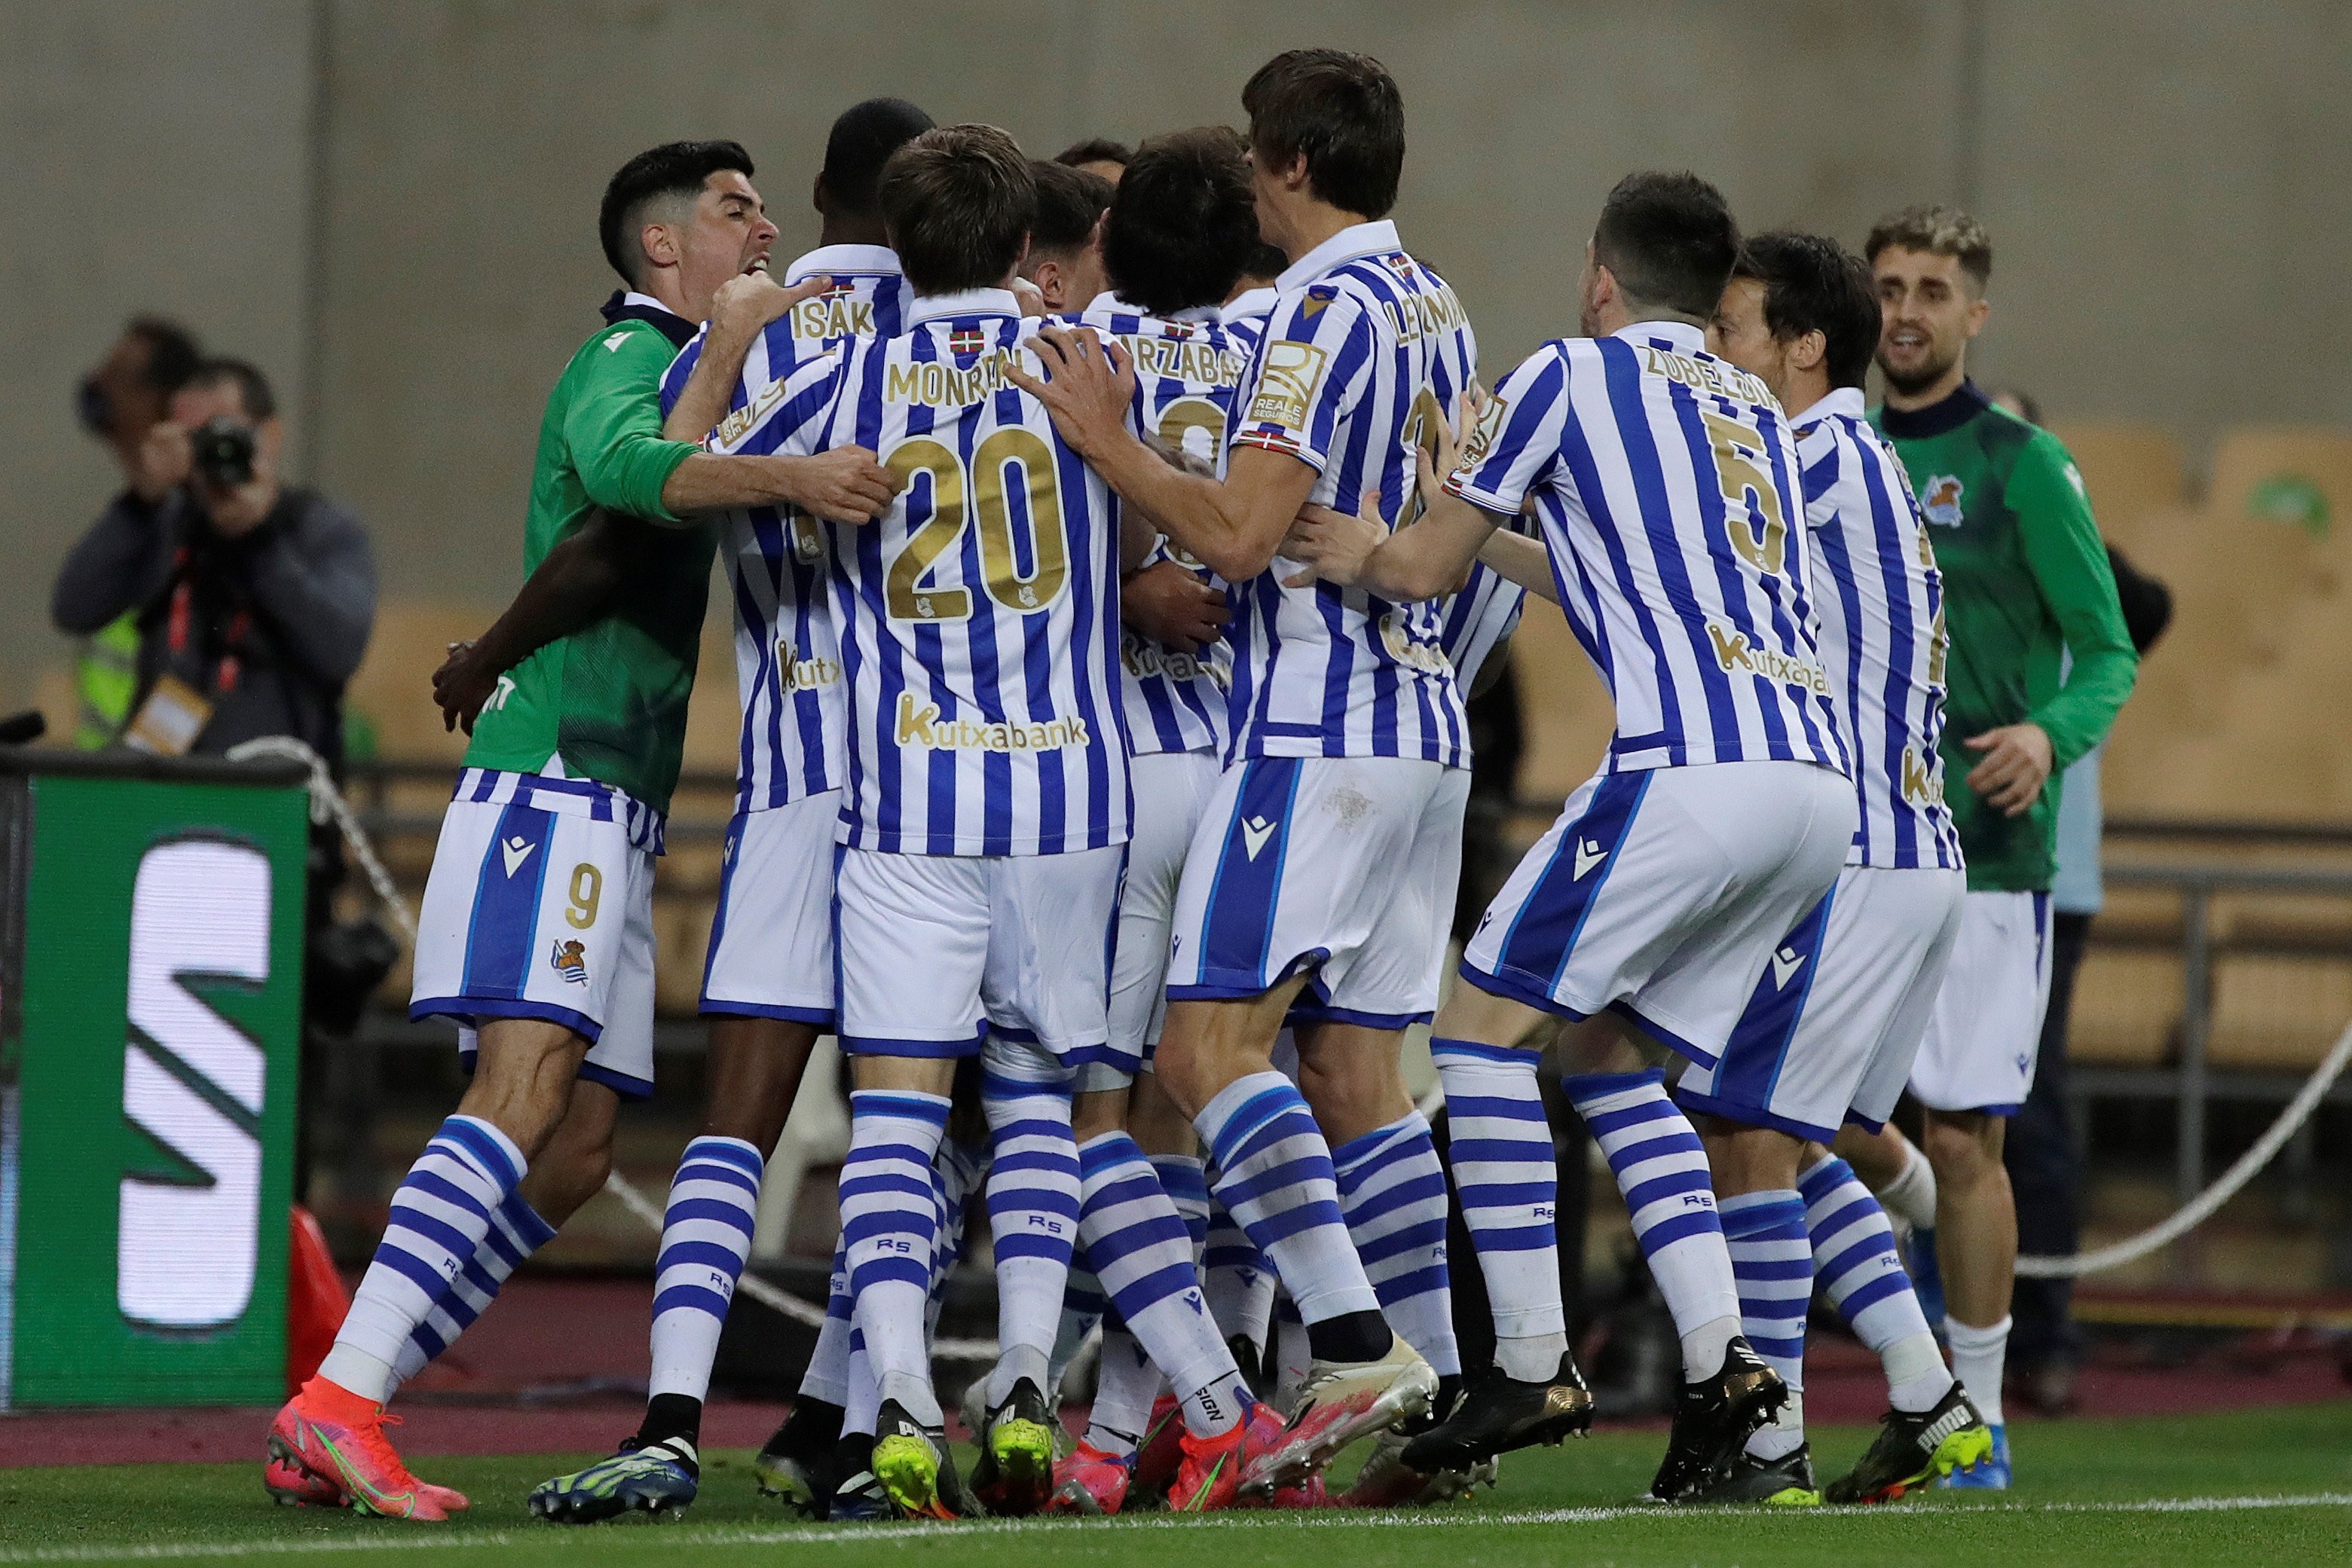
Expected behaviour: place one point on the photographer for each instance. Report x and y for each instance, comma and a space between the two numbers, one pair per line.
253, 600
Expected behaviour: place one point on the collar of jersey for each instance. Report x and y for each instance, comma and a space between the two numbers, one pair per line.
966, 302
843, 258
1250, 302
1355, 240
1846, 401
1680, 336
1108, 302
1967, 401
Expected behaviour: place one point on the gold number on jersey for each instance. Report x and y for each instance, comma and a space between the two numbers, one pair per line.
1742, 472
1049, 548
1428, 420
1177, 421
903, 590
1938, 649
907, 592
587, 887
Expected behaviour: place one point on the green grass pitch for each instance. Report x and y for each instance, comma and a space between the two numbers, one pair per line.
2269, 1487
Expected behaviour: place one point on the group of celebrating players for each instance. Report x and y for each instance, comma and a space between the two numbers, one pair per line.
1113, 543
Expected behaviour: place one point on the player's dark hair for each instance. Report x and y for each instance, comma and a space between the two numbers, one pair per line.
1934, 230
252, 387
1343, 113
958, 202
1669, 240
1070, 203
672, 169
1266, 261
172, 355
1183, 223
861, 142
1096, 149
1812, 284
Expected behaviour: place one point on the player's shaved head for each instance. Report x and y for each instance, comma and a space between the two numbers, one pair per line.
1342, 113
1670, 240
1812, 284
1935, 230
1184, 222
959, 201
862, 142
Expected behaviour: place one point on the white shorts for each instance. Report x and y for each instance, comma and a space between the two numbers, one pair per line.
540, 905
937, 951
1171, 792
771, 940
1341, 866
1661, 896
1984, 1029
1832, 1026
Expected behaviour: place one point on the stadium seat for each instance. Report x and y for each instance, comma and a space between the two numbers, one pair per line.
2126, 1009
2129, 470
2277, 1013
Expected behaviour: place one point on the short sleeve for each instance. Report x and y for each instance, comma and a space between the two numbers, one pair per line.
1516, 445
1307, 375
776, 416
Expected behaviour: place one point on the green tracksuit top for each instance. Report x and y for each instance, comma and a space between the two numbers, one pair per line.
610, 699
2035, 633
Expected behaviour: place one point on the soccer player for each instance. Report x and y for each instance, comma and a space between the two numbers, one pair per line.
535, 933
1065, 243
1177, 233
1097, 155
1666, 481
2040, 664
1322, 874
1830, 1034
985, 812
768, 986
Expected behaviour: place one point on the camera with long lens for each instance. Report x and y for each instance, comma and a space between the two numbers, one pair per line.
221, 451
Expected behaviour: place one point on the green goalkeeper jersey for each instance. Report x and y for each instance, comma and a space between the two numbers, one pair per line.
2035, 633
610, 699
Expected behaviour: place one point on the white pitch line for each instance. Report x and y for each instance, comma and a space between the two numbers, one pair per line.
399, 1538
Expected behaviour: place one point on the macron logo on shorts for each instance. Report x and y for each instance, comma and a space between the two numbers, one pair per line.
1588, 854
1785, 963
517, 850
1255, 831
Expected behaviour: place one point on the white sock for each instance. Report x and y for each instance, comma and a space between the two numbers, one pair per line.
1978, 1357
1274, 1176
1126, 1386
1856, 1264
1911, 1195
1506, 1183
890, 1216
1773, 1258
1916, 1377
827, 1377
516, 1232
706, 1237
1393, 1191
1033, 1207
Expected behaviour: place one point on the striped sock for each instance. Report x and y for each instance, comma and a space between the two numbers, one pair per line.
1862, 1274
714, 1202
1185, 1179
438, 1219
1773, 1258
1506, 1181
1237, 1280
890, 1226
1141, 1250
1274, 1176
1033, 1214
1393, 1191
827, 1377
1661, 1168
516, 1232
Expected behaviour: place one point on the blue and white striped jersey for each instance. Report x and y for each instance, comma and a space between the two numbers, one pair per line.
1668, 482
787, 659
1882, 607
1187, 369
978, 616
1244, 315
1364, 351
1477, 621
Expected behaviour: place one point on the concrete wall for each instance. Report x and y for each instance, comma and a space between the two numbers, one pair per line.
2156, 177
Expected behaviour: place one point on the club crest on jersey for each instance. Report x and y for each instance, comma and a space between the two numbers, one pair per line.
1286, 393
966, 340
1941, 503
569, 959
1481, 439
